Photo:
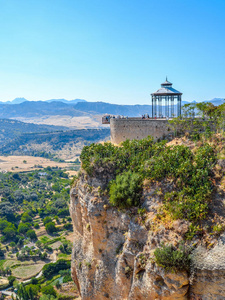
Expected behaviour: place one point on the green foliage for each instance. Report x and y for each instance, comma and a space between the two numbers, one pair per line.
11, 279
31, 234
218, 228
67, 278
194, 188
125, 191
36, 226
134, 161
48, 290
192, 231
66, 247
26, 218
23, 228
28, 292
47, 297
53, 268
47, 220
171, 258
210, 119
58, 284
50, 227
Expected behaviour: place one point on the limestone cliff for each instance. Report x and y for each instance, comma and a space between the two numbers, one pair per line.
113, 250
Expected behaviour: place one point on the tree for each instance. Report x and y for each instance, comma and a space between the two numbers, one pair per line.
26, 218
28, 292
23, 228
9, 232
31, 234
48, 290
18, 195
50, 227
43, 255
11, 279
58, 285
47, 220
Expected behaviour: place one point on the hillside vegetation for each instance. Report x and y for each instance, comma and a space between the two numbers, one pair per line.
48, 144
11, 129
35, 230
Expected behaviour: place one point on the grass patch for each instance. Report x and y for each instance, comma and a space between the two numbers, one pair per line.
44, 239
26, 272
64, 255
2, 262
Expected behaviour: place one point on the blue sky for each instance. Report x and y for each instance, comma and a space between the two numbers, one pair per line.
117, 51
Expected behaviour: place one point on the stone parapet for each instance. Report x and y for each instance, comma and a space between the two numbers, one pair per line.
137, 128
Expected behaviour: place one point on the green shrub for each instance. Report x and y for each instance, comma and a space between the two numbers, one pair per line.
31, 234
48, 290
50, 227
67, 278
53, 268
171, 258
125, 191
26, 218
47, 220
130, 164
36, 226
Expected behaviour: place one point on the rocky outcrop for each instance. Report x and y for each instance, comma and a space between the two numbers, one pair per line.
113, 250
209, 276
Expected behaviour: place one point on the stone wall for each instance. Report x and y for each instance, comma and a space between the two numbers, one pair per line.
137, 128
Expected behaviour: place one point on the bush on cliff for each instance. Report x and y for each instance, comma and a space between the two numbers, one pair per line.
125, 190
189, 172
170, 258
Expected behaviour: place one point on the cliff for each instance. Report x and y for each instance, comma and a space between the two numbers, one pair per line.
114, 253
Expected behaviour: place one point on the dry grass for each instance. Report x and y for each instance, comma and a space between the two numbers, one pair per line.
68, 121
70, 237
16, 163
27, 271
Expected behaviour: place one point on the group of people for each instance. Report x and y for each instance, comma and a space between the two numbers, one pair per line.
146, 116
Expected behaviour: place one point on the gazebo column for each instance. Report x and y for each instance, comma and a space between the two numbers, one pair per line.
178, 105
166, 106
160, 106
154, 106
172, 106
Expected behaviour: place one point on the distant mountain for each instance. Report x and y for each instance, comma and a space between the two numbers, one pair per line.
115, 109
216, 101
75, 108
38, 109
18, 100
21, 100
67, 101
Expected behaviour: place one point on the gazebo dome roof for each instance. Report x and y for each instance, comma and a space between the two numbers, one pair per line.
166, 89
166, 83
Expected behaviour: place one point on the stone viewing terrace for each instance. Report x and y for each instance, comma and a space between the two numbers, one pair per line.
166, 104
138, 128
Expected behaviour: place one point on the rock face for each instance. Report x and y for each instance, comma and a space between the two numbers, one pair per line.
113, 250
209, 280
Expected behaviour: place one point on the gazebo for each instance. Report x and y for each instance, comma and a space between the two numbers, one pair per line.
166, 102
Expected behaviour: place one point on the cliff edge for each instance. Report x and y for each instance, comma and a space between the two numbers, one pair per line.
126, 253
